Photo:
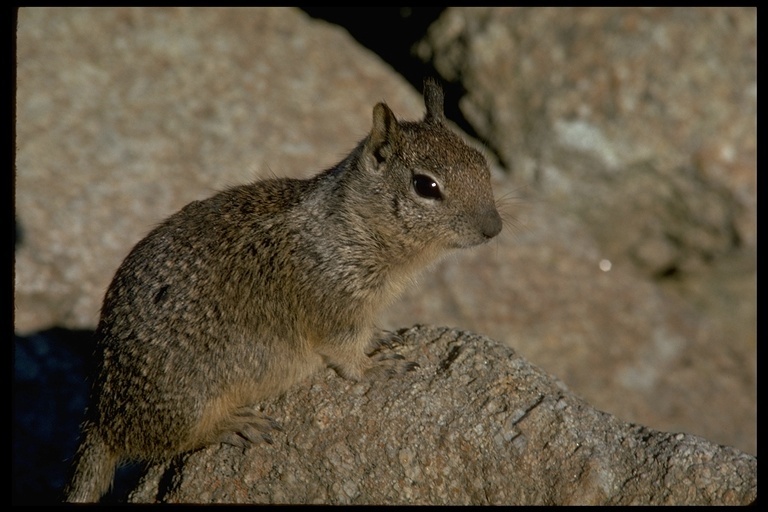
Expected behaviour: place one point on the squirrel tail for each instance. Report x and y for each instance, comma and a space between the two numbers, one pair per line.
95, 466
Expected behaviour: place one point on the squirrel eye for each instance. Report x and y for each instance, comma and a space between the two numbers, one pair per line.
426, 187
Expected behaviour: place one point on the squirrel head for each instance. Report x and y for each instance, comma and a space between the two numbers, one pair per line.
425, 181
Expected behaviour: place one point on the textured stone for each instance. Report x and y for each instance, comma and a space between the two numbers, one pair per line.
580, 100
475, 424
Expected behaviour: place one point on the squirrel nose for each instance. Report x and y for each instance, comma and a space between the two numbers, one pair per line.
490, 223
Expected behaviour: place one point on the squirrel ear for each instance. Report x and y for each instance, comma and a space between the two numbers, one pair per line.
433, 99
384, 133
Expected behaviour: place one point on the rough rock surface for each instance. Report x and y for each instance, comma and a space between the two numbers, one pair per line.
617, 111
475, 424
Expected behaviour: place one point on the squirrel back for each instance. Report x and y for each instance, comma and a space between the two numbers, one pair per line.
239, 296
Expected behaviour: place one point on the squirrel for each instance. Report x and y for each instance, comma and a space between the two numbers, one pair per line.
240, 296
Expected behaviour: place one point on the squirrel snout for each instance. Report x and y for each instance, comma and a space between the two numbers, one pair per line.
480, 227
490, 223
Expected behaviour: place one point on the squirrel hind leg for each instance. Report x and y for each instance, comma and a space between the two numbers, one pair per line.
244, 427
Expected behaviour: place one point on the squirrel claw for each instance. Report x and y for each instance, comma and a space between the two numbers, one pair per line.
246, 427
411, 366
386, 339
389, 365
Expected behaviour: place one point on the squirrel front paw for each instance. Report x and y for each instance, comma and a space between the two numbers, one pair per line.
379, 360
375, 366
388, 364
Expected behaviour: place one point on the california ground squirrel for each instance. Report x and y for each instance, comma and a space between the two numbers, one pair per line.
237, 297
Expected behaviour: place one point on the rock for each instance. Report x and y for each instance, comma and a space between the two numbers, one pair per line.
475, 424
642, 121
